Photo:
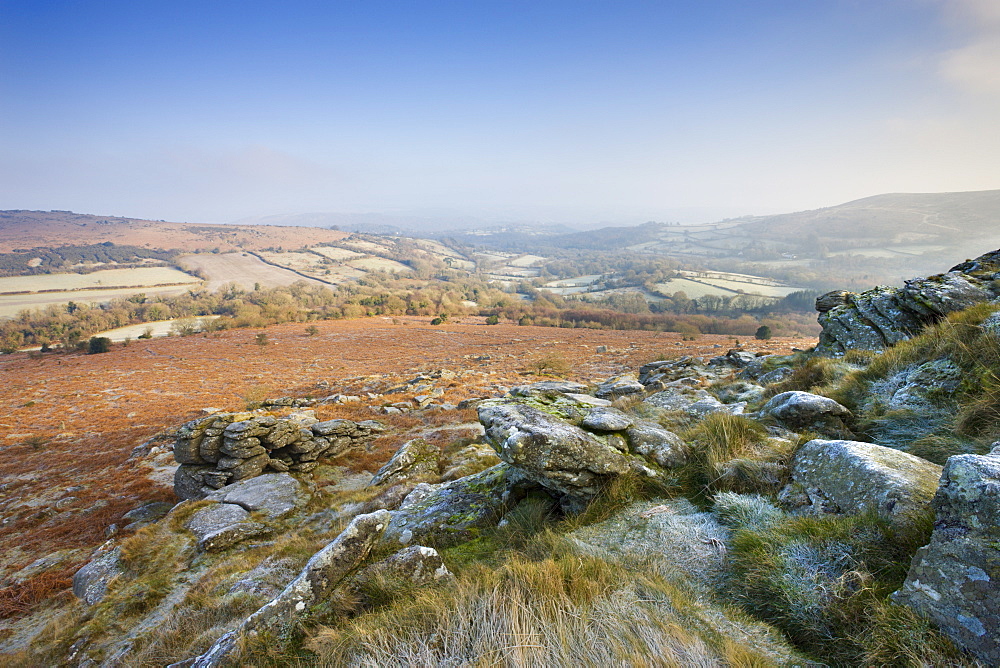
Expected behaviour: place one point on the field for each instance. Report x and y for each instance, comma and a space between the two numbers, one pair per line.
240, 268
111, 278
11, 305
69, 421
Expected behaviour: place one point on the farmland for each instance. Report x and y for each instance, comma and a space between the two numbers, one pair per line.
110, 278
244, 269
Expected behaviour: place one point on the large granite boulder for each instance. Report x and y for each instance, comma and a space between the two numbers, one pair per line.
955, 579
803, 410
853, 477
882, 316
552, 452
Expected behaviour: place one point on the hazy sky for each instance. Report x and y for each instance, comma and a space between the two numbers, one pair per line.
574, 111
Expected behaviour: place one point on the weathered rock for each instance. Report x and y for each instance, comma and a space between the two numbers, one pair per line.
243, 448
453, 513
149, 512
882, 316
663, 447
587, 399
619, 386
606, 419
321, 574
802, 410
776, 376
334, 428
215, 517
188, 483
420, 492
740, 391
831, 300
553, 453
416, 460
241, 469
231, 535
417, 564
471, 459
853, 477
547, 388
274, 494
735, 358
955, 579
90, 583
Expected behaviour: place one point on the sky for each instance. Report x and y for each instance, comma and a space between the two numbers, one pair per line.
577, 112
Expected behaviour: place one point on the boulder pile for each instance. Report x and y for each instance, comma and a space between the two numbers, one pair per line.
226, 448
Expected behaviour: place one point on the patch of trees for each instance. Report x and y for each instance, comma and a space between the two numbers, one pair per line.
78, 259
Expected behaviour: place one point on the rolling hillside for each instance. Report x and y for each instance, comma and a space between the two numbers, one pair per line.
35, 229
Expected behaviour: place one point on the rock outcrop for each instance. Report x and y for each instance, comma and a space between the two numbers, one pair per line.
554, 453
955, 579
454, 512
226, 448
882, 316
853, 477
320, 576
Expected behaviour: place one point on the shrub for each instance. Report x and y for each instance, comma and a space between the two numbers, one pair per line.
549, 365
147, 333
98, 344
312, 330
763, 333
261, 339
493, 320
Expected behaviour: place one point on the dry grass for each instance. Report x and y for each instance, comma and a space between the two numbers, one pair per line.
71, 421
562, 610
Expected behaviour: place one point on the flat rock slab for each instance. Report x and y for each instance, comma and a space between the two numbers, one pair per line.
548, 388
216, 517
955, 579
854, 477
274, 494
606, 419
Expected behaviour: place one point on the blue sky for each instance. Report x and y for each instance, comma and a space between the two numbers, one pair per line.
577, 112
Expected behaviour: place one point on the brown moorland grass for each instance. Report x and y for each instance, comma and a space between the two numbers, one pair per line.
69, 421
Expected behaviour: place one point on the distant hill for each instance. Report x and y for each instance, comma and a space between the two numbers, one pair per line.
897, 218
47, 229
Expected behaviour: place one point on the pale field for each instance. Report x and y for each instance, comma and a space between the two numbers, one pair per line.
579, 281
435, 247
692, 289
752, 288
336, 253
526, 260
241, 268
138, 277
729, 276
379, 264
366, 246
11, 305
157, 328
295, 260
865, 252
